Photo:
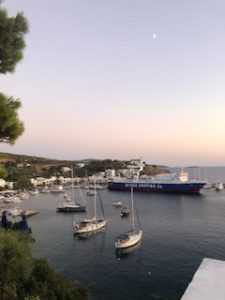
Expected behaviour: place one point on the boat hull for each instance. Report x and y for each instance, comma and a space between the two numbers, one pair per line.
90, 227
133, 240
71, 209
125, 211
157, 187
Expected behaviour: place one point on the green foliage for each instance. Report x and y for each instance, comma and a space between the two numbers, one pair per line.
48, 284
15, 261
154, 170
95, 166
10, 125
4, 155
3, 172
22, 183
12, 43
28, 278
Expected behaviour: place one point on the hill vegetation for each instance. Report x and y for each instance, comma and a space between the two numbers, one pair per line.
24, 277
14, 167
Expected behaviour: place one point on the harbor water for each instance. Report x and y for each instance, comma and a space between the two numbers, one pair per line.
178, 232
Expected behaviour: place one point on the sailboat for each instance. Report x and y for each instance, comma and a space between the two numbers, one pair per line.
92, 224
70, 205
133, 236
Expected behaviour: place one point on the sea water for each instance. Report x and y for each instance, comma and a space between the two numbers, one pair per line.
178, 232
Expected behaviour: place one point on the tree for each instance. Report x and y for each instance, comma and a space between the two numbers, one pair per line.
24, 277
12, 31
48, 284
3, 172
15, 262
23, 183
12, 43
10, 125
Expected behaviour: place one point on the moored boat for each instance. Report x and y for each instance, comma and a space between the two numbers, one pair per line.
88, 225
14, 211
29, 213
91, 192
131, 237
128, 239
219, 186
92, 224
117, 203
125, 211
56, 189
71, 205
171, 183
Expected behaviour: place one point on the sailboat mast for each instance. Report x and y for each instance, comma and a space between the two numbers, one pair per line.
72, 183
132, 207
94, 200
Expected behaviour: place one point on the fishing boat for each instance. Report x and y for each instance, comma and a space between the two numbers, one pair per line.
91, 224
131, 237
162, 183
71, 205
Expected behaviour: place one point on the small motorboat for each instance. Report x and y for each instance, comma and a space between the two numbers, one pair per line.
219, 186
117, 203
91, 192
125, 211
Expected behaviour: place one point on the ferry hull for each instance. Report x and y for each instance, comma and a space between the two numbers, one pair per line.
173, 188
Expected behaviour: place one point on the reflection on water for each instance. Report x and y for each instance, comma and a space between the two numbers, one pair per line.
124, 253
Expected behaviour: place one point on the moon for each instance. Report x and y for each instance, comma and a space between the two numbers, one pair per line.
154, 36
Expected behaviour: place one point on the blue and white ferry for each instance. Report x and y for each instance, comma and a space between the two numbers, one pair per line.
162, 183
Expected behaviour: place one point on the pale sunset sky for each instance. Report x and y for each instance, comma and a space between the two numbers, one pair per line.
122, 79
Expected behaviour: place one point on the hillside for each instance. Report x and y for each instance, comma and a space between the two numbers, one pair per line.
17, 166
19, 158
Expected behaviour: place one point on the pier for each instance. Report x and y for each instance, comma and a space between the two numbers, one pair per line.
208, 281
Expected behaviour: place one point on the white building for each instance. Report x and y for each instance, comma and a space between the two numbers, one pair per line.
2, 183
137, 163
41, 180
110, 173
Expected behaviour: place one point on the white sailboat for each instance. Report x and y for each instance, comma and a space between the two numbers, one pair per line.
92, 224
133, 236
70, 205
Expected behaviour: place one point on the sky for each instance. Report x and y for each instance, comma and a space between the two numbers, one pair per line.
122, 79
